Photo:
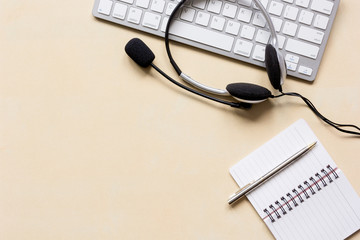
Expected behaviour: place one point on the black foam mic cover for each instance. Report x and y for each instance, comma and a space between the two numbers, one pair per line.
138, 51
248, 91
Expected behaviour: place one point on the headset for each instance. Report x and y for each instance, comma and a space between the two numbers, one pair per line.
243, 94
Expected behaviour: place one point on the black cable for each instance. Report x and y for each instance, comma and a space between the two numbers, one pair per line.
340, 127
232, 104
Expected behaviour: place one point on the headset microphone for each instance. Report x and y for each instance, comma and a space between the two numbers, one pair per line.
138, 51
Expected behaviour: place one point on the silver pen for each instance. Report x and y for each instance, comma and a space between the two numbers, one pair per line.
254, 184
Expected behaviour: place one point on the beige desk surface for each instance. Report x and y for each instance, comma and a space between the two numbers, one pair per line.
93, 147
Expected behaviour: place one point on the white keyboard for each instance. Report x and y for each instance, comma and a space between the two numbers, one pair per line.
235, 28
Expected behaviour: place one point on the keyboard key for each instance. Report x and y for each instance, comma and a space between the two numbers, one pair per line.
202, 35
229, 10
292, 58
232, 27
276, 8
321, 21
322, 6
214, 6
245, 2
259, 53
169, 8
247, 32
244, 15
303, 3
291, 66
277, 22
105, 7
290, 28
199, 4
306, 17
217, 23
187, 14
263, 2
311, 35
151, 20
262, 36
291, 12
281, 41
120, 10
259, 20
288, 1
305, 70
243, 48
158, 6
134, 15
142, 3
302, 48
164, 23
202, 18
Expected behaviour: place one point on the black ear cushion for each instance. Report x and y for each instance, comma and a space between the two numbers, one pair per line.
273, 66
248, 91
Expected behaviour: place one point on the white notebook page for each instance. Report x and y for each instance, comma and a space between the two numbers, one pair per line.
333, 212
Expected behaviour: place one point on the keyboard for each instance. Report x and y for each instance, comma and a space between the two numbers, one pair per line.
235, 28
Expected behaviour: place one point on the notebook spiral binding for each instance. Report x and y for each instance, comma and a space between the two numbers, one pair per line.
300, 193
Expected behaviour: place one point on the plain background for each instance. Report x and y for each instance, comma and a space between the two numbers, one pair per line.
93, 147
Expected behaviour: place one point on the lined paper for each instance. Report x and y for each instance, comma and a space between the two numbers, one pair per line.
311, 199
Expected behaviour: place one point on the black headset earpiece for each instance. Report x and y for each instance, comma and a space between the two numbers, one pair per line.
272, 63
247, 92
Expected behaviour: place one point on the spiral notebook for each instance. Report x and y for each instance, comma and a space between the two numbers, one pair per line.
311, 199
